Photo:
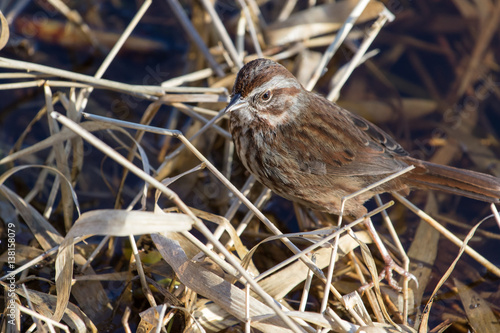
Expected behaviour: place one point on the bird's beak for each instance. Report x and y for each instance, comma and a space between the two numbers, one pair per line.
237, 102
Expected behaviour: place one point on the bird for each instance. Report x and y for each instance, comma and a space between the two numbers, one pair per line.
309, 150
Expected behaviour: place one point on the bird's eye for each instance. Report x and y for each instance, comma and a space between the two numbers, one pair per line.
266, 96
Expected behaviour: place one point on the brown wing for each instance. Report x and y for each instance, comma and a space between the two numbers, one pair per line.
377, 135
339, 143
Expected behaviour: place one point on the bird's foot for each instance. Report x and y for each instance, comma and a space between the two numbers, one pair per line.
391, 266
386, 273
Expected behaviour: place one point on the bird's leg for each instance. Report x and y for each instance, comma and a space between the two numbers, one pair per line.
390, 265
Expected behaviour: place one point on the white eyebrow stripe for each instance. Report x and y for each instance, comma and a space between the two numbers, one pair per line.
279, 80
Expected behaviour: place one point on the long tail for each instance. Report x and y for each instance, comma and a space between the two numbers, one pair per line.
448, 179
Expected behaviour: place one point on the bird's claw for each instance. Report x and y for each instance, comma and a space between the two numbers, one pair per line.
386, 273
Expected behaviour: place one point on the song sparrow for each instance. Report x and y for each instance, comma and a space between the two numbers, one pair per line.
311, 151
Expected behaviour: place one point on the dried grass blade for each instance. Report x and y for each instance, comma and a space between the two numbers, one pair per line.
450, 236
372, 268
90, 295
74, 16
21, 85
279, 284
8, 173
423, 251
223, 34
495, 213
485, 36
361, 54
146, 92
191, 111
4, 35
480, 315
187, 78
64, 134
212, 316
262, 199
194, 98
44, 232
84, 93
121, 223
347, 25
323, 321
425, 318
77, 142
74, 317
251, 28
126, 33
61, 162
28, 128
146, 167
195, 36
24, 253
210, 285
226, 225
355, 306
317, 21
36, 317
108, 222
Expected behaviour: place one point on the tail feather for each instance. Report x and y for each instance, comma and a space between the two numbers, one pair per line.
448, 179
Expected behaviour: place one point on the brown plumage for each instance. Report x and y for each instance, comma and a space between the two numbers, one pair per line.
311, 151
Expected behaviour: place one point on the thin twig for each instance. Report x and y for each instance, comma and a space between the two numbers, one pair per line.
84, 93
353, 63
339, 38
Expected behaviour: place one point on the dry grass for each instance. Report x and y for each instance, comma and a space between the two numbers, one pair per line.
194, 244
